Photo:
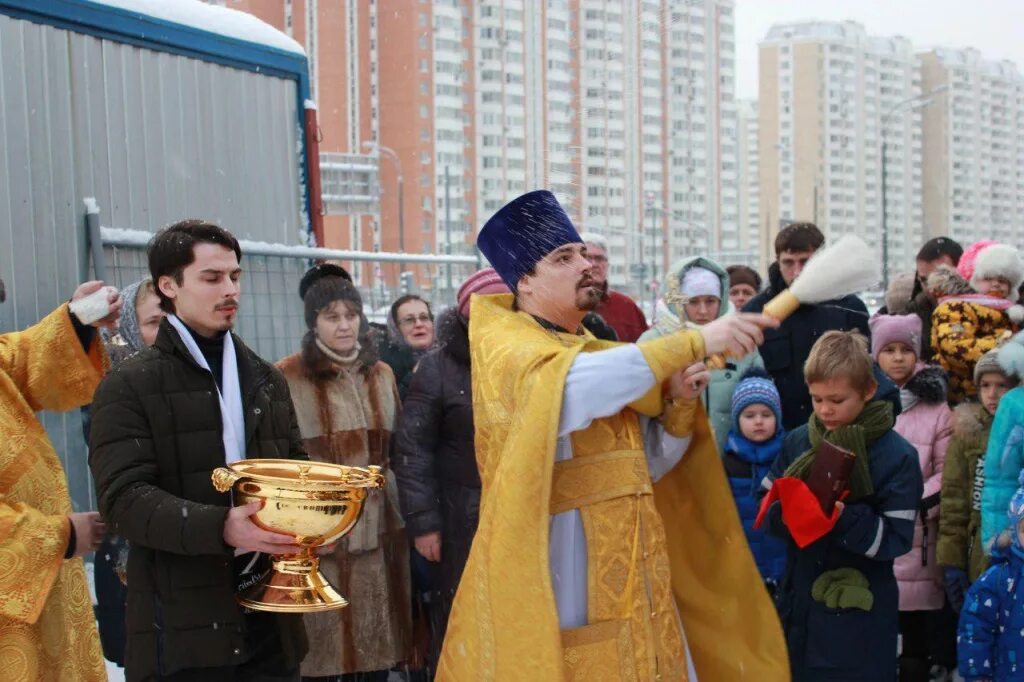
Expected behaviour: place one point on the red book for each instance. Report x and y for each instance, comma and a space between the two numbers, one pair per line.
830, 474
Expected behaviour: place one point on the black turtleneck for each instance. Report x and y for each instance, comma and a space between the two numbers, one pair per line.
213, 350
551, 326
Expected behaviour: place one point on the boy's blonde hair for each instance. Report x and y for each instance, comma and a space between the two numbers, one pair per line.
841, 354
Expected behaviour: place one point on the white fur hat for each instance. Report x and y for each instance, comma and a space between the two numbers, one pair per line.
999, 260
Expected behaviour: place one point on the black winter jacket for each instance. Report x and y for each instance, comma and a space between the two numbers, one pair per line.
435, 460
155, 440
849, 644
785, 349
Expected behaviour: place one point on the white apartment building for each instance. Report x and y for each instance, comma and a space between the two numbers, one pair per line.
973, 147
624, 108
749, 181
829, 95
657, 131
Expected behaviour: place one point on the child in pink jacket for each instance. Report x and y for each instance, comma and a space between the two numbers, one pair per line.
926, 423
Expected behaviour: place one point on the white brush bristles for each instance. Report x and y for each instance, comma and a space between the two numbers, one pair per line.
844, 268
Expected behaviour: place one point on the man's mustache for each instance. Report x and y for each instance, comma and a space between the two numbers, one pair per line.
232, 305
585, 282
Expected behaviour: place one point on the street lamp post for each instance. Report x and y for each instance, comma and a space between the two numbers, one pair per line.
654, 259
914, 103
390, 153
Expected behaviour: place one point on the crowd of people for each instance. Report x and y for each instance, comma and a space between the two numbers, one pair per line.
909, 574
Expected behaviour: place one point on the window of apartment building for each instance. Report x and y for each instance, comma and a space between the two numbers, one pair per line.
427, 225
422, 18
424, 66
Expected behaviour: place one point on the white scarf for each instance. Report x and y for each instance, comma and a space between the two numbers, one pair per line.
231, 414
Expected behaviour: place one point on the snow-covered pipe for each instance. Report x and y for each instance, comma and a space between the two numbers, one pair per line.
139, 239
311, 129
93, 233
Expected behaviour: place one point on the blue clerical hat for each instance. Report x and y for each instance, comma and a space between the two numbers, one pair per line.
525, 230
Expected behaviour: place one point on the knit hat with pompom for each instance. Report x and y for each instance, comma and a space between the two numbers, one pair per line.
756, 387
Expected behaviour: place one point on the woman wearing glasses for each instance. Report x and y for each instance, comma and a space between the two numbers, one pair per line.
410, 336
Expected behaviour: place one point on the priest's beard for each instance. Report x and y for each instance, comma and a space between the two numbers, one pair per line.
588, 296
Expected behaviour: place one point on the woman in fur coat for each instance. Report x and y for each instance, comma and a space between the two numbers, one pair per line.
346, 403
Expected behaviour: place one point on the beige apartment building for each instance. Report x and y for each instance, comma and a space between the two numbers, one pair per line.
973, 147
828, 93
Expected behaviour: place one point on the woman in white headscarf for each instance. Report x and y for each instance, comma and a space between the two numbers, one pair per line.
696, 291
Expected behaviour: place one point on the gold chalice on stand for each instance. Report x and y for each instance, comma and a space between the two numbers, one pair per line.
315, 502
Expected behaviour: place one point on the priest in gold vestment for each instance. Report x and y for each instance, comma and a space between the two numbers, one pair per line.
47, 627
609, 547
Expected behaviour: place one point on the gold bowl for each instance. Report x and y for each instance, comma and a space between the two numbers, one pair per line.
314, 502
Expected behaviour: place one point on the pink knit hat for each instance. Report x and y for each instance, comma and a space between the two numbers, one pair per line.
486, 281
966, 265
886, 329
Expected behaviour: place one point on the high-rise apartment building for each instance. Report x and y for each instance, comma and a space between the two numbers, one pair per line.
748, 165
624, 108
341, 43
829, 95
973, 147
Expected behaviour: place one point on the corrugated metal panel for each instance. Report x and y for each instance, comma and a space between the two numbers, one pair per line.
155, 138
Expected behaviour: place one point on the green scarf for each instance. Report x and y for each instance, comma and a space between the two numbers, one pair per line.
874, 421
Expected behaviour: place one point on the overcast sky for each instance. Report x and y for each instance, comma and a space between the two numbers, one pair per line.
995, 27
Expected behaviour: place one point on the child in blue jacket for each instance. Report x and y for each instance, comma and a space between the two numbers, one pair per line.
838, 599
990, 640
751, 447
1004, 456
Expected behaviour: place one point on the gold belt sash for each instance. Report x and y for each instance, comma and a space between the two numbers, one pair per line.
581, 481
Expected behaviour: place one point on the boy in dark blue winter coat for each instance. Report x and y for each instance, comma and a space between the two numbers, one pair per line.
751, 447
990, 639
839, 600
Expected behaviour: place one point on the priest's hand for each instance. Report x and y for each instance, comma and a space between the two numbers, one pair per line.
689, 383
736, 335
89, 532
113, 300
429, 546
242, 533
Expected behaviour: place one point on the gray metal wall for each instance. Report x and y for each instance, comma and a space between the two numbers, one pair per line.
154, 138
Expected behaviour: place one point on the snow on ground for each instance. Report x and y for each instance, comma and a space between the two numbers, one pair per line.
114, 674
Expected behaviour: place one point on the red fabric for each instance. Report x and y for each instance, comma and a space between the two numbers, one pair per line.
801, 511
623, 315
